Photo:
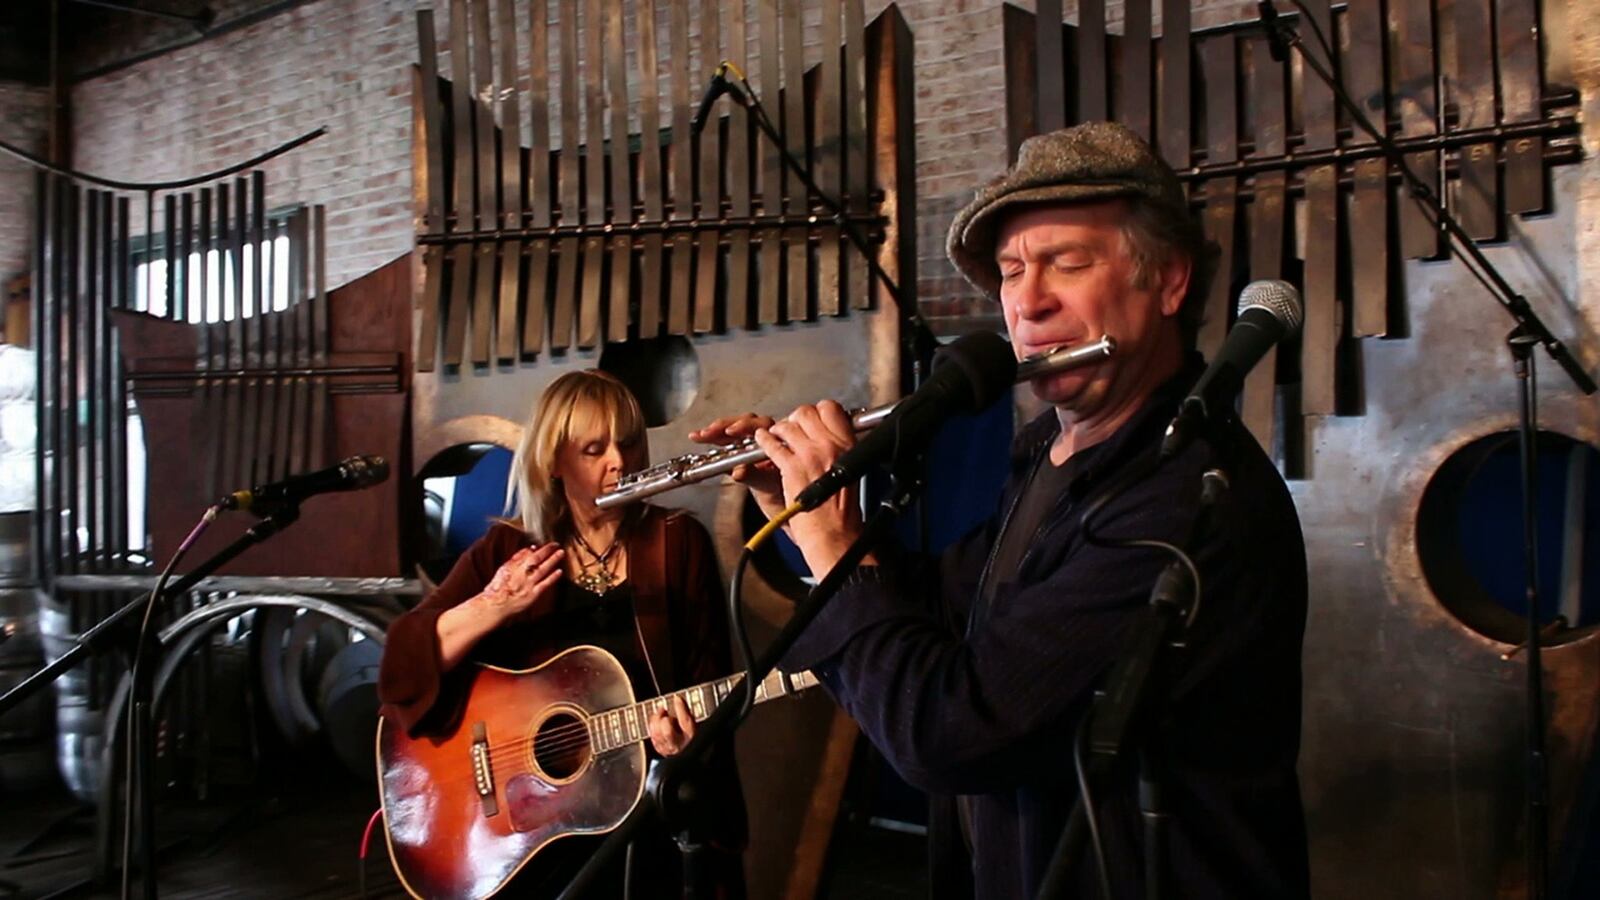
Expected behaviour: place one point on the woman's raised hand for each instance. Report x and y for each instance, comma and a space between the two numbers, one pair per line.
523, 580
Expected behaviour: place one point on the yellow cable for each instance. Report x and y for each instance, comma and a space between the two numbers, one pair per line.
760, 537
728, 65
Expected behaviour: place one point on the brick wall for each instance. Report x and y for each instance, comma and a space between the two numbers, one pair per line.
24, 123
339, 63
345, 64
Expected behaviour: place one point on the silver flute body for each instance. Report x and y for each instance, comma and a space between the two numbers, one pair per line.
691, 468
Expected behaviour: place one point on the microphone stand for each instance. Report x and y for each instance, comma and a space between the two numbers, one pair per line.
1123, 706
920, 342
108, 633
670, 791
1529, 330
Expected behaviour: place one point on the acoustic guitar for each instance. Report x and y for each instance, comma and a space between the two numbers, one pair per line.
538, 754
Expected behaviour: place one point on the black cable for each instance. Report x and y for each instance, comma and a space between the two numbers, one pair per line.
741, 637
130, 751
1087, 799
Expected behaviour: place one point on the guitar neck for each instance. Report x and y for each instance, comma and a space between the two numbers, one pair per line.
626, 725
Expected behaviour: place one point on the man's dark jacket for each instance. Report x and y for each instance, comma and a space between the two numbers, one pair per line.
969, 698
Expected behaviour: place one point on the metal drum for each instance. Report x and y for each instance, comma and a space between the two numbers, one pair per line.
80, 725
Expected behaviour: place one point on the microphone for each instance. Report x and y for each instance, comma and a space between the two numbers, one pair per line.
968, 375
718, 86
348, 475
1269, 311
1276, 48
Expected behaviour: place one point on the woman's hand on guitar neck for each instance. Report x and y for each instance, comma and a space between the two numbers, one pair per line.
520, 583
671, 732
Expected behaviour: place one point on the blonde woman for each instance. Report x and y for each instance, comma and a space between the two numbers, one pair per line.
639, 581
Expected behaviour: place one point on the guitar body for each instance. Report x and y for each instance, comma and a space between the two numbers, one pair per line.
464, 812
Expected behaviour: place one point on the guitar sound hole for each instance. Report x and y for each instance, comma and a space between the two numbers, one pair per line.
561, 746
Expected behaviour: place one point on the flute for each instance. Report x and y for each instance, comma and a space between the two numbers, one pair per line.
691, 468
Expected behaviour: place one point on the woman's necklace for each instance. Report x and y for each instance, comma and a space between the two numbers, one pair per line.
598, 575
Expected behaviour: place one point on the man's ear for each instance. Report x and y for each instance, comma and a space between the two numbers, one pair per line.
1174, 284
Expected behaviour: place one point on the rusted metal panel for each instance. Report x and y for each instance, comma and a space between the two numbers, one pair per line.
1320, 282
651, 186
827, 168
513, 211
709, 183
1417, 101
1369, 203
797, 239
681, 159
1136, 67
1219, 64
620, 289
594, 171
1521, 88
1050, 105
1173, 111
541, 194
566, 292
1477, 193
769, 294
1267, 221
1093, 87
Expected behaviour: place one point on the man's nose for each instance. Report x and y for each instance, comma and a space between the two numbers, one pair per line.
1031, 296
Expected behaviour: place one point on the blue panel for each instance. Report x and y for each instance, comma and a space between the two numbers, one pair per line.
479, 499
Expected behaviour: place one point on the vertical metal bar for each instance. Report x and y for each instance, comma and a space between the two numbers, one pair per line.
1369, 201
539, 187
488, 174
270, 461
259, 411
1219, 69
1020, 39
708, 237
434, 220
39, 299
1417, 98
1477, 194
797, 238
571, 214
651, 188
1173, 112
1267, 229
72, 435
1320, 336
202, 413
185, 295
300, 424
736, 303
1050, 59
828, 151
513, 205
222, 425
594, 169
681, 163
772, 171
282, 328
621, 288
1521, 88
88, 360
318, 249
169, 252
1136, 48
119, 395
1092, 87
104, 411
461, 198
288, 344
245, 246
858, 174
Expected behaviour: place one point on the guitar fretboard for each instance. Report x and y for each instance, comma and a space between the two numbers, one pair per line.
629, 724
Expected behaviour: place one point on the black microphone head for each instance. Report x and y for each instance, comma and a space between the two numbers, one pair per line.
364, 471
1278, 298
987, 366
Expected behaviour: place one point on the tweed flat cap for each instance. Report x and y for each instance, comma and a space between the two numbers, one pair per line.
1092, 161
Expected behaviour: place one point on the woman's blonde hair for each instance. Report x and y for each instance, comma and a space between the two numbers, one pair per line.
576, 397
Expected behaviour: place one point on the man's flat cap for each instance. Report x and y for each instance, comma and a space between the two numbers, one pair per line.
1092, 161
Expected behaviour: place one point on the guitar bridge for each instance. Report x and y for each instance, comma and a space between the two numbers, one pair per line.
483, 770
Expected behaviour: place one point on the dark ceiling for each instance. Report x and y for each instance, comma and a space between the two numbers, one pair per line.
93, 34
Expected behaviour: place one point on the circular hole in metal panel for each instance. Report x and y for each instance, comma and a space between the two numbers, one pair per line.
1470, 538
664, 373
